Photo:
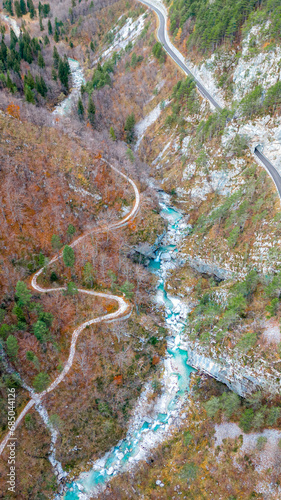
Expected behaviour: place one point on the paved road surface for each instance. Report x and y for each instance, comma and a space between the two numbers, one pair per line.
270, 169
163, 36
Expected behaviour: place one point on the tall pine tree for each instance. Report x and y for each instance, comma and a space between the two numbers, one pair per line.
40, 61
91, 111
63, 73
80, 108
56, 57
31, 8
50, 28
23, 7
9, 7
18, 9
13, 39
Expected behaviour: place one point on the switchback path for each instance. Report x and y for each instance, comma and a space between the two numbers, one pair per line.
123, 310
177, 57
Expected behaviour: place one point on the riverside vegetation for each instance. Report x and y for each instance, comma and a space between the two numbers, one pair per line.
231, 205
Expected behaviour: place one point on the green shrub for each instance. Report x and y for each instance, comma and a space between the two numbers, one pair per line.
12, 347
274, 288
212, 406
30, 356
213, 126
189, 471
255, 400
233, 236
4, 331
71, 289
251, 104
258, 420
129, 127
273, 415
247, 342
239, 145
135, 60
273, 307
127, 289
272, 99
41, 381
29, 422
159, 52
261, 442
248, 286
188, 438
230, 403
246, 420
41, 331
185, 96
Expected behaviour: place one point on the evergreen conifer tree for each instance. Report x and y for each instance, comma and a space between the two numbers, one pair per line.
56, 36
3, 52
50, 27
46, 9
112, 134
18, 9
56, 57
23, 7
31, 8
80, 109
129, 127
13, 39
9, 7
12, 347
68, 256
29, 96
91, 111
10, 85
41, 86
40, 61
63, 73
29, 80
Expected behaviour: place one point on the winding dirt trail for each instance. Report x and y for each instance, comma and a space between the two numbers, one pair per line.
123, 310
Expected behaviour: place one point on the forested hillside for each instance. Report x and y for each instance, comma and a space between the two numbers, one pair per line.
140, 270
206, 24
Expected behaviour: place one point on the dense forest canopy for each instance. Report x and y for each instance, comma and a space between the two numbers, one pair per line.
207, 23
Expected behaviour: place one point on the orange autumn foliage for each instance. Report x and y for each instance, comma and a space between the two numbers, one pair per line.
109, 307
155, 360
178, 36
132, 225
118, 379
13, 110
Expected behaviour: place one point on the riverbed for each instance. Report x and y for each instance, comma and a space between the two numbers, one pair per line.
152, 422
71, 100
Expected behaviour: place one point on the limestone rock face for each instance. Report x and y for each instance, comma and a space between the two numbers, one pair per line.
210, 269
242, 380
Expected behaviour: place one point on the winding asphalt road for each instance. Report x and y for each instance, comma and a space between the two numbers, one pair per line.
163, 38
123, 306
123, 310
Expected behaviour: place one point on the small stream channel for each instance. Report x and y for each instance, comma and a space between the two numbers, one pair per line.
151, 422
78, 79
